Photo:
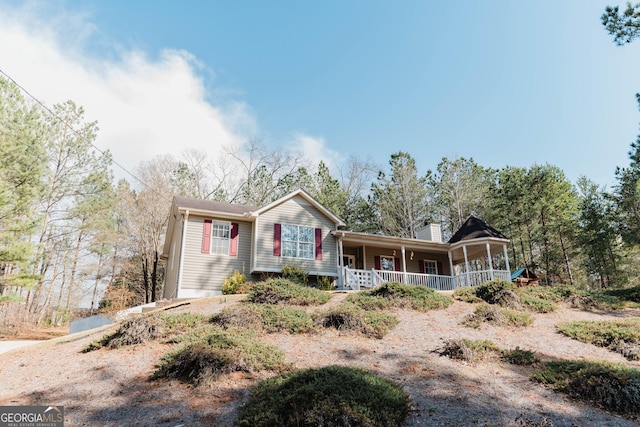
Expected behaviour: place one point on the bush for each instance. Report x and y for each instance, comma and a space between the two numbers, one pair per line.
325, 283
296, 274
518, 356
208, 352
621, 336
270, 318
397, 295
467, 294
133, 331
497, 316
348, 317
468, 350
282, 291
488, 290
231, 285
611, 386
331, 396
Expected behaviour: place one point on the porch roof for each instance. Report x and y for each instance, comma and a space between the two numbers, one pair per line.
476, 247
351, 238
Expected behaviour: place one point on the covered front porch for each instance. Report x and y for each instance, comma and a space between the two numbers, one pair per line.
359, 279
477, 253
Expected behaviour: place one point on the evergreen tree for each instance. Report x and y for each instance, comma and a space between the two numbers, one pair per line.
400, 201
21, 169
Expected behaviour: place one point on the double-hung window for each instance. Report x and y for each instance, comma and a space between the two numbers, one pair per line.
220, 237
430, 267
298, 241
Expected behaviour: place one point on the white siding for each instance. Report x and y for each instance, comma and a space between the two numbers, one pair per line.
173, 262
203, 274
295, 211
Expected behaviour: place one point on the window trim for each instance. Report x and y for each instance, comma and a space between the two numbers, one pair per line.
311, 243
214, 239
434, 263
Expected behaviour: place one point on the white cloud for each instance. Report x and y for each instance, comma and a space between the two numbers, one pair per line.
315, 150
143, 106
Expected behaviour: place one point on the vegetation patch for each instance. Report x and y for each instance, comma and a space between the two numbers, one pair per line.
141, 329
622, 297
518, 356
270, 318
331, 396
621, 335
282, 291
467, 294
468, 350
537, 305
610, 386
349, 317
396, 295
497, 316
137, 330
232, 284
211, 351
238, 316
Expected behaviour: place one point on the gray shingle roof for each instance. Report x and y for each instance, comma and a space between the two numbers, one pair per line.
208, 205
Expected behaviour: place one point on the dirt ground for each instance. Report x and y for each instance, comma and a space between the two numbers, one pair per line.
111, 387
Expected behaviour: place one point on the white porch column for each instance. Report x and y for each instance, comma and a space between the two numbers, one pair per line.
451, 272
466, 263
364, 257
506, 258
490, 260
341, 262
404, 264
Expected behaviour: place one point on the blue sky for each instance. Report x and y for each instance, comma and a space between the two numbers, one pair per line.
502, 82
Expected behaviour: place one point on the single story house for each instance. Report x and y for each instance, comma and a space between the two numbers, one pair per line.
207, 241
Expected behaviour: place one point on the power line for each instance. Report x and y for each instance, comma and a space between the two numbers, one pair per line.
68, 125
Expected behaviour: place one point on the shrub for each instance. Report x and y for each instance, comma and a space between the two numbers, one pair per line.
537, 304
467, 294
331, 396
468, 350
208, 352
238, 316
497, 316
133, 331
232, 284
289, 319
348, 317
611, 386
296, 274
397, 295
518, 356
270, 318
622, 336
325, 283
488, 290
147, 328
282, 291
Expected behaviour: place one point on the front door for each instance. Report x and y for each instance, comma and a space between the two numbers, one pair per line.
349, 261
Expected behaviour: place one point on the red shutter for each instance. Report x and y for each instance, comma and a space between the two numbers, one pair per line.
376, 261
206, 236
421, 265
319, 244
233, 244
277, 231
397, 264
440, 269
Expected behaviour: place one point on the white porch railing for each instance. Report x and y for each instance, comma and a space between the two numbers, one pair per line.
355, 279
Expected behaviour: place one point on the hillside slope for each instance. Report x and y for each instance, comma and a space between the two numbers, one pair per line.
111, 387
